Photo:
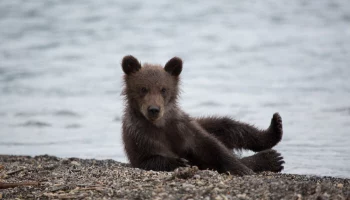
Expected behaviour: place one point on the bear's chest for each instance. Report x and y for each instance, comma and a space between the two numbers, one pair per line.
179, 140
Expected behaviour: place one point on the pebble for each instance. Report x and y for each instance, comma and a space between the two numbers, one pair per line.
241, 195
200, 183
326, 194
187, 185
221, 197
110, 179
218, 197
65, 161
75, 163
318, 188
50, 167
299, 197
222, 185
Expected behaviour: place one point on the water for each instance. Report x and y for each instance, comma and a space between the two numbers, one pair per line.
60, 74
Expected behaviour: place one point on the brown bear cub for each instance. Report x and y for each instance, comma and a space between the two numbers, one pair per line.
159, 136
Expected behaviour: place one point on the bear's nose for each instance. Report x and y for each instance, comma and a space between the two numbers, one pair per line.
153, 110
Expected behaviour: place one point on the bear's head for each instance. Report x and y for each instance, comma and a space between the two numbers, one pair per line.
151, 90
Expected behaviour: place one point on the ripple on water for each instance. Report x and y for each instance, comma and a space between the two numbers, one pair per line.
344, 110
209, 104
44, 46
58, 113
26, 143
35, 123
117, 119
72, 126
275, 104
66, 113
26, 114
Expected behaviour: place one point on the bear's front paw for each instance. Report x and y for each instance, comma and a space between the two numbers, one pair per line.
246, 171
182, 162
241, 170
276, 129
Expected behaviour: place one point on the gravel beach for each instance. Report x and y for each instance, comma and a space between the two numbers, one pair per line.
49, 177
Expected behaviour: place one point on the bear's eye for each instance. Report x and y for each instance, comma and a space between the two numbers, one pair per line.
144, 90
163, 90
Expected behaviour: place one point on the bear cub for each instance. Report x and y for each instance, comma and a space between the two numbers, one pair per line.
159, 136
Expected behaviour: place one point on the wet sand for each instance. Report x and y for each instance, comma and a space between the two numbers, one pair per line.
48, 177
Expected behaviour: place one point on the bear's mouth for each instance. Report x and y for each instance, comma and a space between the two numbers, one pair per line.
153, 119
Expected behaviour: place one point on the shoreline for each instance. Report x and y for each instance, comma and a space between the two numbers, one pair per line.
50, 177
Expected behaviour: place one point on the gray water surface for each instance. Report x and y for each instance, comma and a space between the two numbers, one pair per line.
60, 74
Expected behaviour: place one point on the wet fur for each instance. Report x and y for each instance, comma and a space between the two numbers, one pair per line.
173, 139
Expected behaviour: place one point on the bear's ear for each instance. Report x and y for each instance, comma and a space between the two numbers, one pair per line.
174, 66
130, 64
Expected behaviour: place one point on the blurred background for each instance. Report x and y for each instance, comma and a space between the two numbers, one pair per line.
60, 74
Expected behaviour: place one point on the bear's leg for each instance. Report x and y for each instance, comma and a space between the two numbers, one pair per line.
209, 153
237, 135
268, 160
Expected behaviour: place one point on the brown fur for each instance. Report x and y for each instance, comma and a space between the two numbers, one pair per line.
159, 136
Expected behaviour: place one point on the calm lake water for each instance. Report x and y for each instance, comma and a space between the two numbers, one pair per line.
60, 74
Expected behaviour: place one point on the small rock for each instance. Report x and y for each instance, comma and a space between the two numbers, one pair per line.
318, 188
224, 197
299, 197
241, 195
320, 198
219, 197
187, 185
222, 185
58, 188
65, 161
172, 183
1, 167
200, 183
326, 194
0, 195
50, 166
185, 172
217, 190
75, 163
197, 176
340, 185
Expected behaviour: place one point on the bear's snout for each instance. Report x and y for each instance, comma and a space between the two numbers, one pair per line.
153, 111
